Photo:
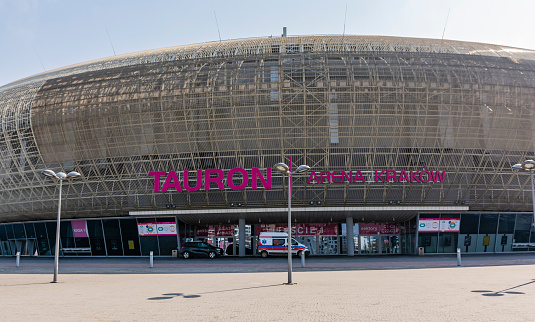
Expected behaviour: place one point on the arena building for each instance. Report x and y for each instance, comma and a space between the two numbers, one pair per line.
410, 144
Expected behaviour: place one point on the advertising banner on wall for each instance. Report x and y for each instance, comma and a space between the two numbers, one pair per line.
428, 225
433, 225
450, 225
79, 228
166, 228
376, 229
300, 229
215, 230
157, 229
147, 229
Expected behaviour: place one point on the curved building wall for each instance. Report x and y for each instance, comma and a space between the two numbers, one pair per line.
334, 103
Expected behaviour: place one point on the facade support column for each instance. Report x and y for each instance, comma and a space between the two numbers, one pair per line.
241, 237
349, 237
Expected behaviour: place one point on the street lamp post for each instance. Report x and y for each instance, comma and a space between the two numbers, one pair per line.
60, 176
528, 165
284, 169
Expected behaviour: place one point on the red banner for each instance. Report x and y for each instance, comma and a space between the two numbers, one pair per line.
376, 229
300, 229
215, 230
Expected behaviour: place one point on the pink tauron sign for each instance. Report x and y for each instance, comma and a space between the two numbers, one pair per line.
79, 228
379, 176
236, 179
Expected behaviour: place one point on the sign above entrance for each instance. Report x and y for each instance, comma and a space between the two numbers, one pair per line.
215, 230
433, 225
300, 229
378, 229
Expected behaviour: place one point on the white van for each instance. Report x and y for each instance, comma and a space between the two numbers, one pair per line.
277, 243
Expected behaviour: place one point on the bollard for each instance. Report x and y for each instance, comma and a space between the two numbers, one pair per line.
151, 259
458, 257
302, 259
17, 262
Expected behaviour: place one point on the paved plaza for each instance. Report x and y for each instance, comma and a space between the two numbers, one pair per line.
380, 288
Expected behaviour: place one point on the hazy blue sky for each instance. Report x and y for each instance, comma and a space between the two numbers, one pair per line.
65, 32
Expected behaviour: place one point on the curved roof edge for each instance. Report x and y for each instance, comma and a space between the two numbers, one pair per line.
292, 44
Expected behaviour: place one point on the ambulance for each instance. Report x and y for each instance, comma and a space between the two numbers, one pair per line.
270, 243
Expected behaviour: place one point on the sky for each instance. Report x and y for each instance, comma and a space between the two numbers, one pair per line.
39, 35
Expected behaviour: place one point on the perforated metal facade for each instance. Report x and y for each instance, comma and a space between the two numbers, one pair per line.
332, 102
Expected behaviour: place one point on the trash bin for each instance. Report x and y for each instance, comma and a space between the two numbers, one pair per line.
174, 253
420, 251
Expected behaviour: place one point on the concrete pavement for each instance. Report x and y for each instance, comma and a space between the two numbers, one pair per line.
119, 290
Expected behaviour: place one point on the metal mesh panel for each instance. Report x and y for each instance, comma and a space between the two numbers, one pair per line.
334, 103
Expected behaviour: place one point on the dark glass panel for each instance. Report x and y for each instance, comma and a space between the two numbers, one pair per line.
506, 224
167, 244
488, 223
30, 231
521, 236
523, 222
113, 237
40, 230
42, 239
148, 243
96, 237
469, 223
67, 239
130, 236
522, 228
3, 235
81, 242
51, 231
18, 230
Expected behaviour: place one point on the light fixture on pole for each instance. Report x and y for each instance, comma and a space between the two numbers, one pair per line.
60, 176
285, 170
528, 165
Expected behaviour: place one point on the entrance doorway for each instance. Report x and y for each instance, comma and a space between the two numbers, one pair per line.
379, 244
369, 244
390, 244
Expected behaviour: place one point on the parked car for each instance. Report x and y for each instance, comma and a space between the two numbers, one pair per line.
199, 249
230, 250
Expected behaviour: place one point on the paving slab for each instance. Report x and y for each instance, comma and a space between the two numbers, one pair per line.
382, 288
504, 293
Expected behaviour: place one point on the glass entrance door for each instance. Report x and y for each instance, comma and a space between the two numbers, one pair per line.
389, 244
369, 244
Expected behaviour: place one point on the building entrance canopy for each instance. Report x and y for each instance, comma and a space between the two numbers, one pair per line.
302, 215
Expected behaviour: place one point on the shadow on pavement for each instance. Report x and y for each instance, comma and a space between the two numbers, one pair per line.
502, 292
42, 283
168, 296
